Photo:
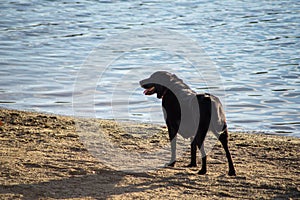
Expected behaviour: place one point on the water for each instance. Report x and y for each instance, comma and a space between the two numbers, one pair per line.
254, 44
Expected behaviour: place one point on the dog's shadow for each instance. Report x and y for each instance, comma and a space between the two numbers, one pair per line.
101, 185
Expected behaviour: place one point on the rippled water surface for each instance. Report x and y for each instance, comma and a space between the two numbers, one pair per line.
255, 46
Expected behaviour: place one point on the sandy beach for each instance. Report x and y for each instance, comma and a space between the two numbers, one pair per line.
42, 157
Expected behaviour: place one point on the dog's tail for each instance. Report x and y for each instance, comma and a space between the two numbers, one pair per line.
225, 128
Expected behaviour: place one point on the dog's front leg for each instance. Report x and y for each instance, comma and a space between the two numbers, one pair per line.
173, 152
172, 130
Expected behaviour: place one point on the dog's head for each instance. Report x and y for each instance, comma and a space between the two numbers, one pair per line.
157, 83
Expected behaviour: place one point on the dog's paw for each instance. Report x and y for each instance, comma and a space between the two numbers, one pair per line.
192, 165
202, 172
231, 173
171, 164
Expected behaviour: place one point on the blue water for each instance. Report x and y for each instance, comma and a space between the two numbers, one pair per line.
255, 46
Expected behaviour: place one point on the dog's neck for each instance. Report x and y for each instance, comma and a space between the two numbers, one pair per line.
165, 92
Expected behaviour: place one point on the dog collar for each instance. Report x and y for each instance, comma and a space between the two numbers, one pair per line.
164, 94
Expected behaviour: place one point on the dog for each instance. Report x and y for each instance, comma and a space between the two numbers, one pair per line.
190, 114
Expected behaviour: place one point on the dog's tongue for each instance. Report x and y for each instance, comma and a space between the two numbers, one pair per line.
149, 91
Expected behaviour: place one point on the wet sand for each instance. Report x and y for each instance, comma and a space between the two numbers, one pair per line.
42, 157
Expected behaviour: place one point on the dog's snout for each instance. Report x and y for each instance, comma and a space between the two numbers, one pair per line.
145, 82
142, 82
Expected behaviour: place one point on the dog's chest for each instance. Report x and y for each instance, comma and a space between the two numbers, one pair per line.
184, 114
190, 117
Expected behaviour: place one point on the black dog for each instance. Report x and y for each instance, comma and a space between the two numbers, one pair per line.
189, 114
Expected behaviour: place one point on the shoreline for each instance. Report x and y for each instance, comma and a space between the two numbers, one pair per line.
234, 130
42, 157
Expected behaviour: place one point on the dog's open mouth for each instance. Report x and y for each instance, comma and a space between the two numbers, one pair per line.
149, 91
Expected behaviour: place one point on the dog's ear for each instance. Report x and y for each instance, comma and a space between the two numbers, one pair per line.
173, 77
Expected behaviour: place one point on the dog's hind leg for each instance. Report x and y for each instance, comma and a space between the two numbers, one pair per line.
193, 154
224, 140
197, 142
204, 158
